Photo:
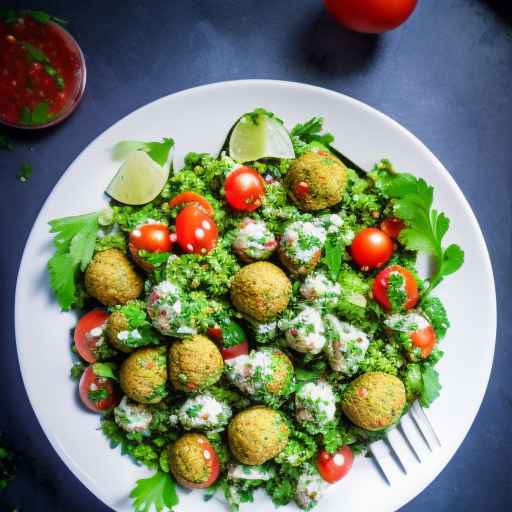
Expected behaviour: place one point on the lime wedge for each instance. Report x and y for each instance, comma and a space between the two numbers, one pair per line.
139, 180
260, 136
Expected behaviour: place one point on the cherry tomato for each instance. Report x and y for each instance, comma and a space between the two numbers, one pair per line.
89, 383
231, 338
425, 339
85, 341
196, 232
244, 188
392, 227
151, 237
301, 189
213, 461
334, 466
371, 16
187, 198
371, 248
380, 287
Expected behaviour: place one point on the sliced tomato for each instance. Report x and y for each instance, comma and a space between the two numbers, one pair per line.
196, 232
424, 339
191, 198
371, 248
89, 384
241, 349
245, 189
380, 287
85, 341
392, 227
334, 466
212, 459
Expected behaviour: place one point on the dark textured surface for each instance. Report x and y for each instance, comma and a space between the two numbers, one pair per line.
446, 75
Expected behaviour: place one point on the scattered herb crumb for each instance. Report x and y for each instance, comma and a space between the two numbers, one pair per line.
25, 172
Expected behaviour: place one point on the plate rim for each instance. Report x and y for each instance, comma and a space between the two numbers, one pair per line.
406, 133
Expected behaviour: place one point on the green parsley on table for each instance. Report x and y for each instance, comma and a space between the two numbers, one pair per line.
25, 172
74, 242
154, 494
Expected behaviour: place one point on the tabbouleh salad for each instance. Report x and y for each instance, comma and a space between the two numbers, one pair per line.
255, 319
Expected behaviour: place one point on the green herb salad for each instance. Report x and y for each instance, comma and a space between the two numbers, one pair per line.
254, 319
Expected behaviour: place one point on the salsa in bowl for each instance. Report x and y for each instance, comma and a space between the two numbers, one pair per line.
42, 70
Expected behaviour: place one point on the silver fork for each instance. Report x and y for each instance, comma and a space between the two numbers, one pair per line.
405, 445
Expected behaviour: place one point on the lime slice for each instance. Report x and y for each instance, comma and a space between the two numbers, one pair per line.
261, 136
139, 180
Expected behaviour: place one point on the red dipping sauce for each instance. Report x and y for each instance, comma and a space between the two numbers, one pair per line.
42, 73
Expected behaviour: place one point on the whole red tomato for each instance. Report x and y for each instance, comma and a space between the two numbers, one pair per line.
371, 16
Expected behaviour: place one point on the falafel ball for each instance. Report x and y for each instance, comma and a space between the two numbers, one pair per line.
257, 435
111, 278
261, 291
117, 323
263, 372
193, 461
316, 180
194, 363
143, 375
374, 401
300, 247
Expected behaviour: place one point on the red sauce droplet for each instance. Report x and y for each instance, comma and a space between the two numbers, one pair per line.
301, 189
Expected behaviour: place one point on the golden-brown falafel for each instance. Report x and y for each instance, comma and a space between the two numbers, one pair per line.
194, 363
316, 180
143, 375
374, 401
261, 291
111, 278
257, 435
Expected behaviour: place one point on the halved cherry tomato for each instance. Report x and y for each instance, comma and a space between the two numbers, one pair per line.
392, 227
371, 248
90, 383
380, 287
196, 232
371, 16
244, 188
230, 337
85, 341
334, 466
151, 237
241, 349
425, 339
301, 189
212, 459
191, 198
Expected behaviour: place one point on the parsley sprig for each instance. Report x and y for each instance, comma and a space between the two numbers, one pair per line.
74, 247
426, 227
156, 493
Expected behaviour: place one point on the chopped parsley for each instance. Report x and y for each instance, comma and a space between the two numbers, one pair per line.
25, 172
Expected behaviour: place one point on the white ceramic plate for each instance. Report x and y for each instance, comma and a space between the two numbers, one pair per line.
198, 119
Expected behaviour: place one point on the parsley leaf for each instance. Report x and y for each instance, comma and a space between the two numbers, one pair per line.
74, 242
157, 151
6, 142
40, 115
25, 172
156, 493
425, 227
311, 131
434, 309
333, 256
105, 370
97, 395
431, 386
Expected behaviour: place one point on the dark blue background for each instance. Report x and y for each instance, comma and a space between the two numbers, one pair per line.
446, 75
